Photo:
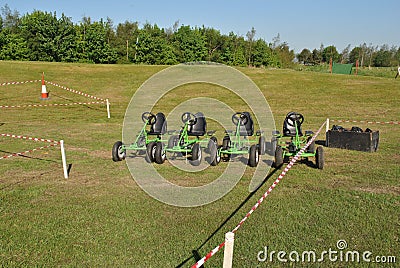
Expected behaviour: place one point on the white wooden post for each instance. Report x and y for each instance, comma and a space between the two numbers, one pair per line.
228, 251
326, 132
327, 125
108, 108
63, 159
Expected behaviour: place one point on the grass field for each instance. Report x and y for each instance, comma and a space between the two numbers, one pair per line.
100, 217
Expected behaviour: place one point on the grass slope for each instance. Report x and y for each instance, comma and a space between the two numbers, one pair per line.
101, 217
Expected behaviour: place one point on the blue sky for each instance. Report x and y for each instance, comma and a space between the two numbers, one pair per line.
302, 23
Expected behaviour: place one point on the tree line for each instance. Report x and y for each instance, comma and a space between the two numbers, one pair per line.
42, 36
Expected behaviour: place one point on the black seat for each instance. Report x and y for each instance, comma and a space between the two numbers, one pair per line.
200, 126
160, 126
246, 129
290, 124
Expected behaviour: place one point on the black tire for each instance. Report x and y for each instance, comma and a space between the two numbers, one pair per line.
213, 141
278, 157
118, 154
226, 142
273, 144
196, 154
151, 152
262, 148
173, 141
159, 156
319, 157
214, 154
254, 156
311, 148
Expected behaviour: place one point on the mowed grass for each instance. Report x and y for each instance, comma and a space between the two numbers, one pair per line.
100, 217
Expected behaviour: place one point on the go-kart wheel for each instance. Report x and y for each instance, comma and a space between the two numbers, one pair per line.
118, 154
214, 154
189, 118
226, 143
274, 143
211, 143
196, 154
173, 141
254, 157
319, 157
278, 157
242, 117
311, 148
261, 145
148, 118
159, 156
151, 152
293, 117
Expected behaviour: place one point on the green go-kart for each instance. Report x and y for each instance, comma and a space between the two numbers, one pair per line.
239, 142
188, 141
151, 133
292, 140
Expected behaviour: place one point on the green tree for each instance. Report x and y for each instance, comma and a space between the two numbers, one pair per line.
125, 41
93, 43
153, 48
382, 57
305, 56
356, 54
190, 44
330, 52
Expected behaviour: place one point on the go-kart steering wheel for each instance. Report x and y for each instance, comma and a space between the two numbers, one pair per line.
149, 118
189, 118
242, 117
293, 117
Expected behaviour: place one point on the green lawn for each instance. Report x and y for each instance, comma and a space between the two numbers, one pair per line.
100, 217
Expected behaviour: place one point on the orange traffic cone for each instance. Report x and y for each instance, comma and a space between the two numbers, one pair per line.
45, 94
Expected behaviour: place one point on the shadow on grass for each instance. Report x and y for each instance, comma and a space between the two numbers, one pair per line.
195, 253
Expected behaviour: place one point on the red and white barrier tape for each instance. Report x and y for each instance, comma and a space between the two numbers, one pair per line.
75, 91
28, 138
51, 104
280, 177
29, 151
18, 83
365, 122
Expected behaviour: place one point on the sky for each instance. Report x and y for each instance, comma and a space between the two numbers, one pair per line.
301, 24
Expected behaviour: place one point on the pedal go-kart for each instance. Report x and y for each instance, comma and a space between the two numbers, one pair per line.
151, 133
292, 140
188, 141
238, 142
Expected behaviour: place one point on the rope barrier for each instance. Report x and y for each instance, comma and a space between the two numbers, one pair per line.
29, 151
28, 138
280, 177
75, 91
51, 104
18, 83
365, 122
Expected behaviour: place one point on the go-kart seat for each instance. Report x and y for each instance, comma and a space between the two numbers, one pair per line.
200, 126
290, 123
160, 126
246, 129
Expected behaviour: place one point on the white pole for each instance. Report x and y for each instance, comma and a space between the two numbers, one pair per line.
327, 125
326, 132
108, 108
228, 251
63, 159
